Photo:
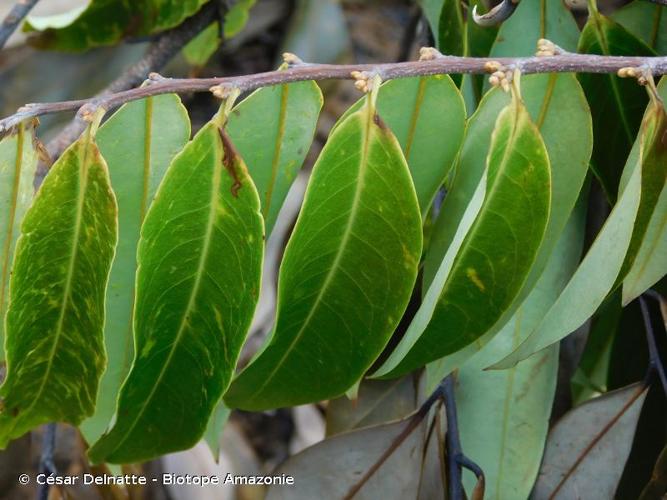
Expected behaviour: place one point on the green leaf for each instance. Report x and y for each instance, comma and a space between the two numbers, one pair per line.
646, 262
591, 441
214, 429
200, 49
645, 21
531, 21
273, 129
55, 321
18, 162
504, 415
558, 105
377, 402
472, 291
106, 22
198, 280
602, 267
237, 17
347, 273
427, 115
138, 142
617, 104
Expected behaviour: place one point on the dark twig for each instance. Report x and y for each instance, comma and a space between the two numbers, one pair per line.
455, 457
409, 35
659, 2
655, 363
14, 18
46, 463
160, 52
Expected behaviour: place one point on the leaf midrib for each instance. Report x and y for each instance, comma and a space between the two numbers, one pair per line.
275, 161
210, 225
83, 185
336, 262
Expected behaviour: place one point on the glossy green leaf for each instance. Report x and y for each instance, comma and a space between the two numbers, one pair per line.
377, 402
587, 449
600, 268
18, 162
55, 319
469, 294
616, 104
198, 280
138, 142
646, 262
347, 273
427, 116
504, 415
272, 130
646, 21
106, 22
558, 106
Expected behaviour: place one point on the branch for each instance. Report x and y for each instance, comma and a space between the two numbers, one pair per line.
455, 457
565, 63
160, 52
655, 363
46, 464
14, 18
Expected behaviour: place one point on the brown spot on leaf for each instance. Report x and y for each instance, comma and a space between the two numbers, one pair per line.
230, 160
378, 121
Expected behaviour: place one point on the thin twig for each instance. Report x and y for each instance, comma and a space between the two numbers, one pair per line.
659, 2
160, 52
455, 457
14, 18
655, 363
46, 463
566, 63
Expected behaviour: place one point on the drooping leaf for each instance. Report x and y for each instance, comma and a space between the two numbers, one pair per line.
645, 21
602, 267
378, 401
138, 143
616, 104
347, 273
646, 262
198, 280
504, 415
470, 293
55, 319
587, 450
106, 22
272, 130
558, 106
427, 116
18, 161
336, 464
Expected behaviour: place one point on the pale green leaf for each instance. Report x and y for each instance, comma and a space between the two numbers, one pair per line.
198, 280
587, 449
646, 21
504, 415
215, 427
138, 142
427, 116
469, 295
599, 271
200, 49
237, 17
272, 129
18, 162
55, 319
347, 273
